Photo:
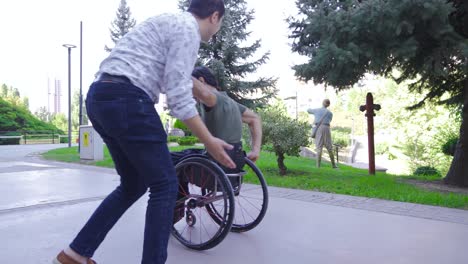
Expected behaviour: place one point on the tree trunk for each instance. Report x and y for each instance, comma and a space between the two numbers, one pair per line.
281, 166
458, 173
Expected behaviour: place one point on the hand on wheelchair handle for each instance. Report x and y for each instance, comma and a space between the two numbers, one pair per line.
216, 147
253, 156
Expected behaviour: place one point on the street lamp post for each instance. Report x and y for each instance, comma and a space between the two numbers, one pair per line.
69, 47
81, 75
80, 110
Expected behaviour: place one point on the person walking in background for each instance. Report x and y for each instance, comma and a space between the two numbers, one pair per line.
157, 56
322, 120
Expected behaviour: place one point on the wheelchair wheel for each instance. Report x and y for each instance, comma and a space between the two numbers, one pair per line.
251, 200
202, 183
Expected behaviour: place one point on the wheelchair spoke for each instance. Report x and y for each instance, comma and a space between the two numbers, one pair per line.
185, 228
253, 205
251, 187
207, 196
243, 216
243, 209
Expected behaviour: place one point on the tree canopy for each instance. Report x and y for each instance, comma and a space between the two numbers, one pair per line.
424, 42
232, 60
347, 39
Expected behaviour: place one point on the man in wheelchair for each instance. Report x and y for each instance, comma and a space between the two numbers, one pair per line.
224, 118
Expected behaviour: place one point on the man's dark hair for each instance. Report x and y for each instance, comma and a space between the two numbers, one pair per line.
204, 72
206, 8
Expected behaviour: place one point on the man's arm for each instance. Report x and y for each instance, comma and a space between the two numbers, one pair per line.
181, 58
181, 55
203, 93
255, 127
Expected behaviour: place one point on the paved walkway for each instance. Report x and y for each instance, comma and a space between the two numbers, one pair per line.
43, 204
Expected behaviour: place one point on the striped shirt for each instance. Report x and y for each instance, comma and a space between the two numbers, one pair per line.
158, 56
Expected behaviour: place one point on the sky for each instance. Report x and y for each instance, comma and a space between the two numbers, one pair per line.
33, 32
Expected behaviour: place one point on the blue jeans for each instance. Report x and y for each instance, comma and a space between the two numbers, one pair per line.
126, 119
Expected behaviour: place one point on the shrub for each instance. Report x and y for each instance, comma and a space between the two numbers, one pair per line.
426, 171
63, 139
172, 138
187, 141
382, 148
16, 118
340, 141
340, 136
268, 148
344, 130
180, 125
284, 134
448, 148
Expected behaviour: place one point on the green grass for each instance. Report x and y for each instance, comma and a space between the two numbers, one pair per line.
71, 155
66, 154
302, 174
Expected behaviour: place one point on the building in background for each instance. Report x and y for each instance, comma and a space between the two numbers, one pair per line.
54, 94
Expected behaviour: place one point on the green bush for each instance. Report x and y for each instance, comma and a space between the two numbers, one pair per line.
63, 139
344, 130
187, 141
17, 118
382, 148
268, 147
285, 135
426, 171
448, 148
340, 137
180, 125
172, 138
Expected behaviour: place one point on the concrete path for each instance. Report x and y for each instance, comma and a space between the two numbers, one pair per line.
44, 204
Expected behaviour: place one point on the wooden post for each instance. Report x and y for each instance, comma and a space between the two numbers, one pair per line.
369, 107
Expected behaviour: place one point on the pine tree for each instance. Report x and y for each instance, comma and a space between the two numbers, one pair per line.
121, 24
426, 41
12, 95
42, 114
25, 102
4, 91
231, 61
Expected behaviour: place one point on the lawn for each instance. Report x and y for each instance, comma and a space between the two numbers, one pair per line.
304, 175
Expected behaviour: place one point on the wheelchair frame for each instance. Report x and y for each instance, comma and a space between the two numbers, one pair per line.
225, 219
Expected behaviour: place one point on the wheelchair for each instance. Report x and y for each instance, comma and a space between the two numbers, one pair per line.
211, 203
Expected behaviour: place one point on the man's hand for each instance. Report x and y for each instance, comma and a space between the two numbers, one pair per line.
216, 147
253, 155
